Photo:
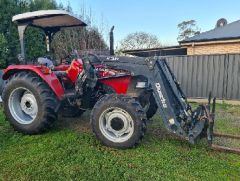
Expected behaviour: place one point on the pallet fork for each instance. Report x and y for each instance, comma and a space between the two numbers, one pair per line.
214, 135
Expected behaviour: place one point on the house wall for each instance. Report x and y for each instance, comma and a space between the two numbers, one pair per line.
213, 48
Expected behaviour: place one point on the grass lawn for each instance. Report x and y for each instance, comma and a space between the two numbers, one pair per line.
70, 152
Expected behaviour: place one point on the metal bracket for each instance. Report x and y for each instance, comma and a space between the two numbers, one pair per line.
151, 61
224, 148
21, 31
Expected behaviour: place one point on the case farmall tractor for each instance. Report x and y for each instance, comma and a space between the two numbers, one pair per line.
121, 92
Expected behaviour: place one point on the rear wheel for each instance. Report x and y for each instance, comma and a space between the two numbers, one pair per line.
29, 103
118, 121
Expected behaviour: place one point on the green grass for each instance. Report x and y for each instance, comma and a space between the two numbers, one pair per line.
70, 152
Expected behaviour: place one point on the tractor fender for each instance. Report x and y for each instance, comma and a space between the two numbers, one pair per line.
51, 79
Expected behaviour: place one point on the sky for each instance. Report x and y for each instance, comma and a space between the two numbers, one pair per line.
158, 17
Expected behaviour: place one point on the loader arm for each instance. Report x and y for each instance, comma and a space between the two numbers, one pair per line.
176, 113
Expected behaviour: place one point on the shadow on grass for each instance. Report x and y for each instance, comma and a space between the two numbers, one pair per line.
155, 131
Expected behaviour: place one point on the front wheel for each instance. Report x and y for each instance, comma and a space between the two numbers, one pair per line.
118, 121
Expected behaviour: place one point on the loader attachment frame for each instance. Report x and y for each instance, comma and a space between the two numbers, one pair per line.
220, 135
175, 111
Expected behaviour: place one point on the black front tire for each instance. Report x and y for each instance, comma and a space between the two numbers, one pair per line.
152, 109
130, 107
44, 97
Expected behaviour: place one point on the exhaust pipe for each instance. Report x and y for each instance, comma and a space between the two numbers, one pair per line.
111, 41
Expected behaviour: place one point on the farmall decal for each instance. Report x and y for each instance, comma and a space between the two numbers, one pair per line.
112, 58
163, 100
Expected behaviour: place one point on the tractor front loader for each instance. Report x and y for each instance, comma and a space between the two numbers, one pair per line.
174, 109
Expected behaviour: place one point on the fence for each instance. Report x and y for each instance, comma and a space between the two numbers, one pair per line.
201, 74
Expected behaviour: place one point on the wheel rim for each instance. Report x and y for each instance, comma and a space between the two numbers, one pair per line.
23, 105
116, 125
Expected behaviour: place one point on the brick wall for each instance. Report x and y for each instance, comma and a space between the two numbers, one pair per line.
221, 48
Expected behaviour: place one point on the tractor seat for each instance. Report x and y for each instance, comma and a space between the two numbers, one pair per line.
62, 75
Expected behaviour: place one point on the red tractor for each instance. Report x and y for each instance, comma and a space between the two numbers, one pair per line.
33, 95
121, 92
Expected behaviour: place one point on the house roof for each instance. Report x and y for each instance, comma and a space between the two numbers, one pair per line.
227, 32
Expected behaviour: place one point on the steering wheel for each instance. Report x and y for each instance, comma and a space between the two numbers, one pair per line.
92, 58
89, 70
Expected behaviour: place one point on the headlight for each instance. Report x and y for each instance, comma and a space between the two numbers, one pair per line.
141, 85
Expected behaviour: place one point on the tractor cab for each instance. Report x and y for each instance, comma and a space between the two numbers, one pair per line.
50, 21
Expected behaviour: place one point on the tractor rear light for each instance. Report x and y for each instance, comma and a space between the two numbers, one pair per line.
141, 85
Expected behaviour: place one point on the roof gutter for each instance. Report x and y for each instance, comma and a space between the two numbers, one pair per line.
151, 49
210, 42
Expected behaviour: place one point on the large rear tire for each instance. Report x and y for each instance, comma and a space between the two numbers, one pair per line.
29, 104
118, 121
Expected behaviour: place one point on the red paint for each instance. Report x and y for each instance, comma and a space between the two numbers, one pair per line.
119, 84
51, 79
75, 69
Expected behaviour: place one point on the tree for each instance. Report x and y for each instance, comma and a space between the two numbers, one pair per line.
187, 29
79, 38
10, 8
35, 43
35, 5
3, 51
67, 40
139, 40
